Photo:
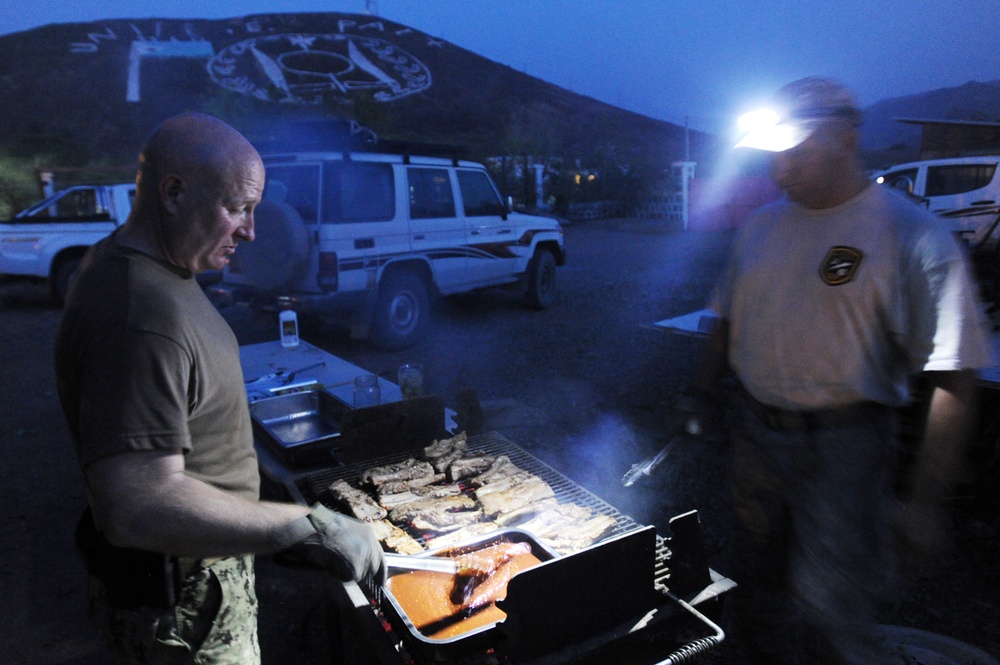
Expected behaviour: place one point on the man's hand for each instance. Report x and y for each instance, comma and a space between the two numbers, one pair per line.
343, 545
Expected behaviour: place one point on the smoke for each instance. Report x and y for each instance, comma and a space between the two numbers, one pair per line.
599, 458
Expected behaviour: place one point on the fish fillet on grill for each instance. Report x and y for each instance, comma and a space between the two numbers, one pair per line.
501, 468
516, 497
392, 500
445, 520
568, 528
551, 519
504, 484
400, 486
406, 470
407, 511
395, 538
464, 467
357, 501
516, 517
442, 453
462, 533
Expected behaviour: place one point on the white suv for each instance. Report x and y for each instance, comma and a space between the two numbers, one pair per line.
374, 236
963, 189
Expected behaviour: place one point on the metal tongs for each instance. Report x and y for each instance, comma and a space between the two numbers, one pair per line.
435, 564
646, 467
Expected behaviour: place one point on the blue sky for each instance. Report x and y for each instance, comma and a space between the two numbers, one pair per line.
695, 61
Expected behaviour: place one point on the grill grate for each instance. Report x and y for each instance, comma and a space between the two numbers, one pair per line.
492, 443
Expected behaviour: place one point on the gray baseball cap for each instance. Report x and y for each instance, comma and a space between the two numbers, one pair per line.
798, 109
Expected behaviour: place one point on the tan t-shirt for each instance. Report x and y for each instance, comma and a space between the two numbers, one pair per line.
145, 362
835, 306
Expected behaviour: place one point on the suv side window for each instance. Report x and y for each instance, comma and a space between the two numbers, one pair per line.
957, 179
358, 192
479, 197
297, 185
430, 193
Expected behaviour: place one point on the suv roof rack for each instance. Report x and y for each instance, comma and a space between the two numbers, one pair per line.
321, 134
348, 136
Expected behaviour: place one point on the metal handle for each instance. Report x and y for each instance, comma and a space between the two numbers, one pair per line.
431, 563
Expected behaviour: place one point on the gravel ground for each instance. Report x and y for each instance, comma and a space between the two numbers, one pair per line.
583, 386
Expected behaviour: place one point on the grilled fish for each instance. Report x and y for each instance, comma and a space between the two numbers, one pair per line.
516, 497
464, 467
406, 470
357, 501
431, 505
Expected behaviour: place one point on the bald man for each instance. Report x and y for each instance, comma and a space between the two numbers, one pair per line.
151, 386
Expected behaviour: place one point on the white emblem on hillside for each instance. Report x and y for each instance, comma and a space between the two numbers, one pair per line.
302, 68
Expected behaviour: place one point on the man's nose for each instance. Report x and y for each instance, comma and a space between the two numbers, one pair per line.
246, 231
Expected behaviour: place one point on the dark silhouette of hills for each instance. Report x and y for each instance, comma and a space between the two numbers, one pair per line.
89, 93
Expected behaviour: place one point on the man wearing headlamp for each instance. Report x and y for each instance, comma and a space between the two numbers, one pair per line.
837, 301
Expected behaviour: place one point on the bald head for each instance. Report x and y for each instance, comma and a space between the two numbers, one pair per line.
197, 185
193, 145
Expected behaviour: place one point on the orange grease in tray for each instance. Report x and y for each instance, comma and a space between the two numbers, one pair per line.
425, 598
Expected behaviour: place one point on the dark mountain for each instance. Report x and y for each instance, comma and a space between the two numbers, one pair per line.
89, 93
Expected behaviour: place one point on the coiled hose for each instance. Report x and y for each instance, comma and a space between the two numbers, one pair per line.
694, 649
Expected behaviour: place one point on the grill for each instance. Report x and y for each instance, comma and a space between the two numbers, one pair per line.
587, 607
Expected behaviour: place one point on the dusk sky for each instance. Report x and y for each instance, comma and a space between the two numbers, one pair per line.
702, 61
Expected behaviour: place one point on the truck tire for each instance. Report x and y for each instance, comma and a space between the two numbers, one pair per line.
541, 288
401, 311
279, 255
62, 277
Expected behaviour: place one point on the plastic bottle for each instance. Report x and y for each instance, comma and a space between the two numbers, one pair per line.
288, 326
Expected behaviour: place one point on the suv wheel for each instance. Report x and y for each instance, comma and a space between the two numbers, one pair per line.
401, 311
541, 291
279, 254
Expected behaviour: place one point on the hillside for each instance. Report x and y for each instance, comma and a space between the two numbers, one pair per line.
88, 93
887, 141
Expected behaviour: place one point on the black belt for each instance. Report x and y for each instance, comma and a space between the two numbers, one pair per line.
785, 420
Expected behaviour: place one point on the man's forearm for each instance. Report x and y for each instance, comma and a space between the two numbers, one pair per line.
144, 500
951, 417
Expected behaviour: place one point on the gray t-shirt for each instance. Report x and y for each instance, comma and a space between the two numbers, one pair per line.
145, 362
845, 304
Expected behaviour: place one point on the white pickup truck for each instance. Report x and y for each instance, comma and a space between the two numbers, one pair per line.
46, 241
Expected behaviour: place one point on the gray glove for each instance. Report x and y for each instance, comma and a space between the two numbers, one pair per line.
343, 545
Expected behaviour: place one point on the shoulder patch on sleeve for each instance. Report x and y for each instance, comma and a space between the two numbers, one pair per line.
840, 265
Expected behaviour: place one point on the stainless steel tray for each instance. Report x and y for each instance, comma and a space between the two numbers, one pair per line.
477, 639
302, 428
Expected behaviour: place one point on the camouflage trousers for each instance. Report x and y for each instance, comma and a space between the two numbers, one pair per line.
214, 621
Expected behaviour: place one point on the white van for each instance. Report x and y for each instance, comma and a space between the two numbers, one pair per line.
371, 237
963, 189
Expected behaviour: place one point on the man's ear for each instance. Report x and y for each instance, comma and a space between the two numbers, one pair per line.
171, 189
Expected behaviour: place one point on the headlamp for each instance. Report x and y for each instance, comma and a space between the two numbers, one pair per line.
768, 129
